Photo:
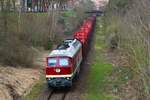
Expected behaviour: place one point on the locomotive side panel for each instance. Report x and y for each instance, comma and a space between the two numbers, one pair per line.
77, 62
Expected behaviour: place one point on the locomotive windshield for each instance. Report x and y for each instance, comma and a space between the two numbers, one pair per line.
63, 62
52, 62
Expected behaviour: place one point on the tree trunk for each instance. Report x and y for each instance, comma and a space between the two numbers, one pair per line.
2, 5
14, 4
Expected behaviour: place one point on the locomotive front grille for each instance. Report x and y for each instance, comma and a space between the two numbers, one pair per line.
59, 82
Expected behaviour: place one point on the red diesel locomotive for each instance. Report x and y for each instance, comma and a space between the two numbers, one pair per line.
63, 63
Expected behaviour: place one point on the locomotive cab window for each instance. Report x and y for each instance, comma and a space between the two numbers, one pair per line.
52, 62
63, 62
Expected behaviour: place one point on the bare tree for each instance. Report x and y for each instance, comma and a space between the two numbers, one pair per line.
133, 31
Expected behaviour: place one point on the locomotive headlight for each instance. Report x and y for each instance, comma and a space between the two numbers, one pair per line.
68, 78
58, 70
49, 79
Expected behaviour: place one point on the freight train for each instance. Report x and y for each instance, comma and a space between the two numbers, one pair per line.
63, 63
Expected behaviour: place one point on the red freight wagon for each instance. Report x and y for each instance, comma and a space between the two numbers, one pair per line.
80, 35
84, 39
63, 63
85, 29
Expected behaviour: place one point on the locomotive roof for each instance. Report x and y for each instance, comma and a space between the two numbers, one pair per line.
68, 48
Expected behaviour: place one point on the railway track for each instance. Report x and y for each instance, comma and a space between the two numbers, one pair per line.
50, 95
53, 94
57, 94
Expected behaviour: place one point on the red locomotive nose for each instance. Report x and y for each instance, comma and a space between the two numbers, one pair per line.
58, 66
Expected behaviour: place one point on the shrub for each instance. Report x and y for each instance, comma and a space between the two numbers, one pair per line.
14, 53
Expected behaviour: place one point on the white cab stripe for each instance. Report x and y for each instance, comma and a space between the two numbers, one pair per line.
56, 76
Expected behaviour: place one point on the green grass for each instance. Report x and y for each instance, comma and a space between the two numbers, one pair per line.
100, 70
97, 81
36, 90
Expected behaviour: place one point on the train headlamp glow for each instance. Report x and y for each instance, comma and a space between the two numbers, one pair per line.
58, 70
49, 79
68, 78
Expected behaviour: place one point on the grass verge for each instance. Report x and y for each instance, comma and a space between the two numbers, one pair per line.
36, 90
100, 70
